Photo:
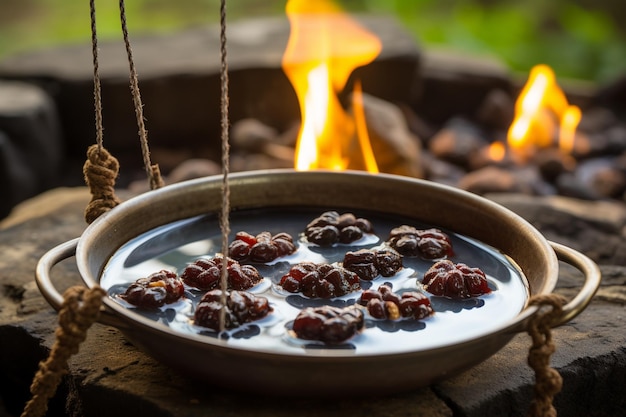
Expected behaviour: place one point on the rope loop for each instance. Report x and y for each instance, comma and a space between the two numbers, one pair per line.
80, 309
548, 381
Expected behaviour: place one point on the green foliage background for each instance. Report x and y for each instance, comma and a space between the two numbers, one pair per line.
579, 39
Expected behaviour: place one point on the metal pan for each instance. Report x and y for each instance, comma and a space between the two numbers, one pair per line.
330, 372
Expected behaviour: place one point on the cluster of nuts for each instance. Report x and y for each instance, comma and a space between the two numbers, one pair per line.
426, 243
331, 227
158, 289
260, 248
320, 280
455, 281
385, 304
369, 263
241, 307
328, 324
205, 274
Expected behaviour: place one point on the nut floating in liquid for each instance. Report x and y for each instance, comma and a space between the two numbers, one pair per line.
205, 274
328, 324
385, 304
427, 243
331, 227
320, 280
455, 281
158, 289
261, 248
369, 263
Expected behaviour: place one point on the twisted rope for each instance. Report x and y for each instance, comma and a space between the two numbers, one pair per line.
80, 309
224, 218
548, 381
97, 93
153, 172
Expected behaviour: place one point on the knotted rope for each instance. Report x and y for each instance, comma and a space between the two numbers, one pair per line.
548, 381
101, 168
80, 309
100, 171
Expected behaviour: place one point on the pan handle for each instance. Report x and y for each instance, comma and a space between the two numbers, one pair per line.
592, 274
48, 290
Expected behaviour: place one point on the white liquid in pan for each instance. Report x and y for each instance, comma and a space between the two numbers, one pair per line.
175, 245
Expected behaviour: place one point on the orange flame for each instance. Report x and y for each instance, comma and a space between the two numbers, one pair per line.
324, 47
540, 110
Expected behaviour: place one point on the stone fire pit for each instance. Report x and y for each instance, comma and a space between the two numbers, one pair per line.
109, 376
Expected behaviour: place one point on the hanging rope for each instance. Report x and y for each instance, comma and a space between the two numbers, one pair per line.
101, 168
80, 309
224, 219
153, 172
548, 381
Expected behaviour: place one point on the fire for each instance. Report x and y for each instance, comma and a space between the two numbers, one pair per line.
569, 123
540, 110
325, 46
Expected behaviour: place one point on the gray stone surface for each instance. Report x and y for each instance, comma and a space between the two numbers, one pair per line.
30, 143
597, 229
111, 377
455, 84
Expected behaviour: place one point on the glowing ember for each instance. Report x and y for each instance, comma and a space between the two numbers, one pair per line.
324, 48
496, 151
540, 110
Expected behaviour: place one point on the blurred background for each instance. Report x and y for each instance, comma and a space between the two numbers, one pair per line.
582, 39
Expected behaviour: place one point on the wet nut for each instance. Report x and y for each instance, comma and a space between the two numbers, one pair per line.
261, 248
445, 278
328, 324
320, 280
241, 307
369, 263
392, 310
386, 305
331, 227
158, 289
427, 243
205, 274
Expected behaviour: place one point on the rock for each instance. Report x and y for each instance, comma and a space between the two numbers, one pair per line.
458, 142
492, 179
570, 185
441, 171
397, 150
497, 110
455, 84
251, 135
551, 163
30, 143
596, 228
609, 141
